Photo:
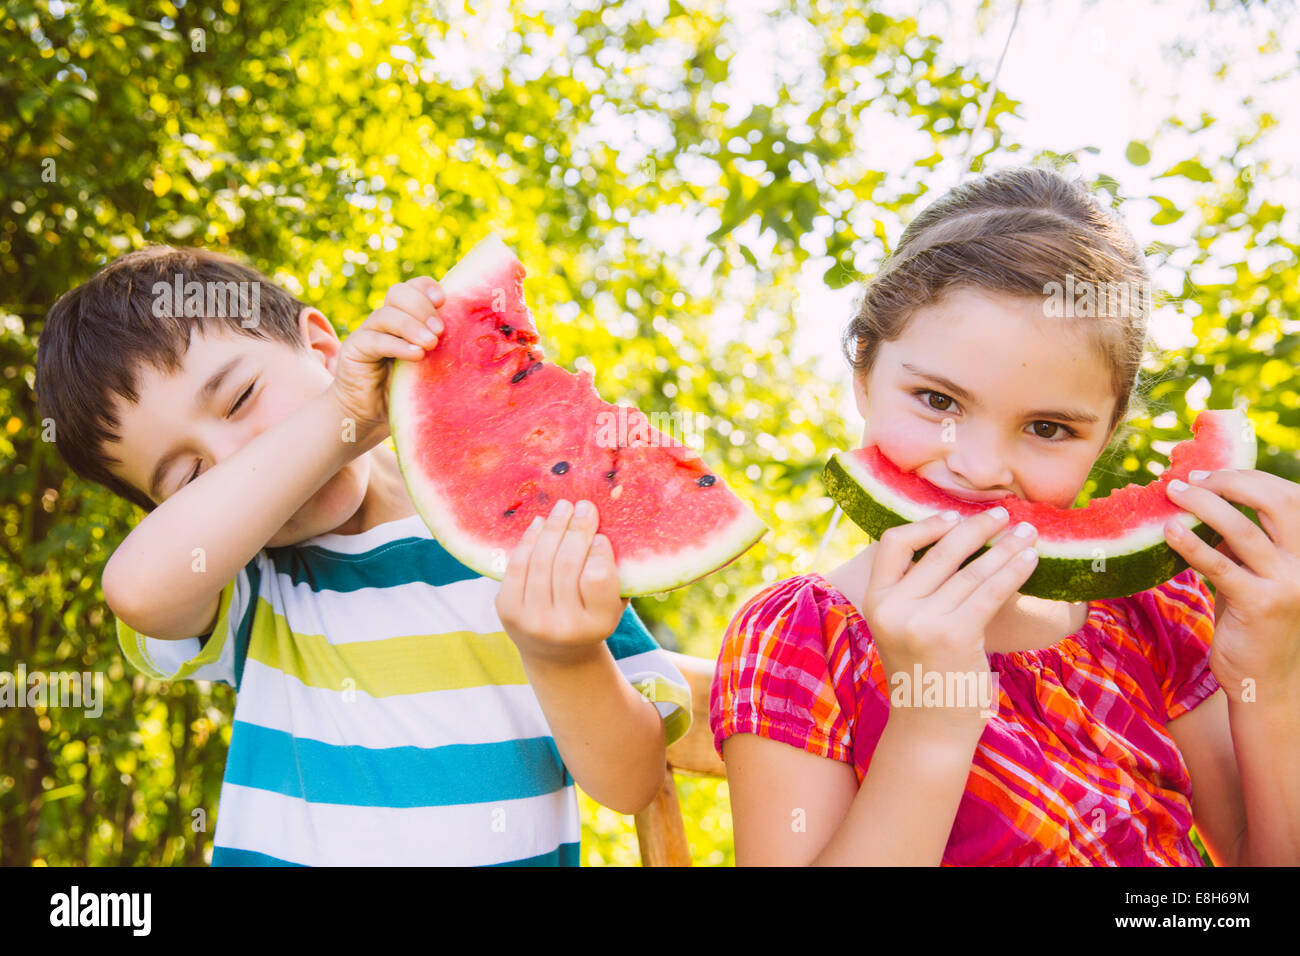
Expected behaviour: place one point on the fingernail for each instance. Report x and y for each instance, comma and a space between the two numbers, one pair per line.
949, 516
1024, 530
1198, 476
536, 522
1029, 554
583, 509
435, 294
561, 507
1177, 485
434, 326
1000, 513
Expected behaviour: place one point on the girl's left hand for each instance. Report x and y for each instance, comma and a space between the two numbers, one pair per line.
1255, 572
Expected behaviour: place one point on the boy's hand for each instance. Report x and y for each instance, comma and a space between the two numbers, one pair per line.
559, 599
403, 327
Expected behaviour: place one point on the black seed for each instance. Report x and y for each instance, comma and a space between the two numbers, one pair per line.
509, 512
609, 475
505, 329
535, 367
559, 468
705, 481
518, 376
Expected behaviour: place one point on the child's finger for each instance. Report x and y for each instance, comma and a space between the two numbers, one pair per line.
984, 601
952, 549
572, 555
516, 576
965, 581
1275, 500
1255, 548
898, 545
429, 288
368, 345
538, 591
599, 581
1225, 574
406, 297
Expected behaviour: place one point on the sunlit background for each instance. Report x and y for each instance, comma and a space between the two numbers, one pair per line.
694, 189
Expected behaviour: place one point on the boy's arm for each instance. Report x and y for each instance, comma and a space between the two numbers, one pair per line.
220, 520
153, 581
559, 602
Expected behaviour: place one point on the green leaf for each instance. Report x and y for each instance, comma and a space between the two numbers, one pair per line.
1188, 169
1137, 153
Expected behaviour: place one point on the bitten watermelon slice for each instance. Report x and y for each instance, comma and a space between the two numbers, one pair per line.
1112, 547
489, 436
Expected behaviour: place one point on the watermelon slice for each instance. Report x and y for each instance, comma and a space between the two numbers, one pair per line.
489, 435
1112, 547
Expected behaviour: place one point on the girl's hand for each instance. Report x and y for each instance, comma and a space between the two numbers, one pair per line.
559, 599
1255, 572
933, 614
403, 327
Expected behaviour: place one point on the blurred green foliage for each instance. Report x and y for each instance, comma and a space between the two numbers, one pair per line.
323, 142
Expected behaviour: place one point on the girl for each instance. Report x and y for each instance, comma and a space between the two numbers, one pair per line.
1113, 725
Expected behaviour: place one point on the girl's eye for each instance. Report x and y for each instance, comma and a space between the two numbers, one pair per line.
1052, 431
937, 400
248, 391
194, 474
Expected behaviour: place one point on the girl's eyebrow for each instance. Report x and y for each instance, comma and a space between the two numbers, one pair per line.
956, 391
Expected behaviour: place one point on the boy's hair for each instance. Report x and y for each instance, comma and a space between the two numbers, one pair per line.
1015, 231
97, 337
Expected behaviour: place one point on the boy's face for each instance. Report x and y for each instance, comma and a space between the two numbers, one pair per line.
177, 426
970, 395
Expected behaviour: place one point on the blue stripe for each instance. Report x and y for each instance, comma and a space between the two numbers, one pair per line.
244, 631
564, 855
356, 776
404, 561
229, 856
631, 636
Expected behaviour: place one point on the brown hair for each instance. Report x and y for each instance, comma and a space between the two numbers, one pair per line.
97, 336
1015, 231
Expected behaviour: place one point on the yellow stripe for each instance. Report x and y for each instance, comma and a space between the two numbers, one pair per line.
136, 652
660, 690
410, 664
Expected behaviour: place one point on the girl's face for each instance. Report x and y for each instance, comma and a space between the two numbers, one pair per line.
985, 396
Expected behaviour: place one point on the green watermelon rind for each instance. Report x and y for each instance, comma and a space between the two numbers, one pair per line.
1095, 571
637, 578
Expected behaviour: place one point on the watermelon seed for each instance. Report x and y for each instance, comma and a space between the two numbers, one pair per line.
615, 492
509, 512
504, 329
705, 481
609, 475
535, 367
518, 376
559, 468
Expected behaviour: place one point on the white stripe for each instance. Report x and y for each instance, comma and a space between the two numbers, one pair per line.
329, 834
376, 614
470, 715
409, 527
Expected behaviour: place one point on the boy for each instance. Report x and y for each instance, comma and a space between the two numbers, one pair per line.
393, 706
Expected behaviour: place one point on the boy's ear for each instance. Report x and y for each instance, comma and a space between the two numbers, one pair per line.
318, 334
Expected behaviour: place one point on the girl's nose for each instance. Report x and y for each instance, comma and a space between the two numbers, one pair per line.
980, 466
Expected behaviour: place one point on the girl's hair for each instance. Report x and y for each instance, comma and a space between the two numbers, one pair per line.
1025, 231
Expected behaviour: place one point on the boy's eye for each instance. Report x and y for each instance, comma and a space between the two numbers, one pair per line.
242, 398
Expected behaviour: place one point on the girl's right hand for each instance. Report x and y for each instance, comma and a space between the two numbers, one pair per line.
934, 613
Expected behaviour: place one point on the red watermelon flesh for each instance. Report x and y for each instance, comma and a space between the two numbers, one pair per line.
490, 435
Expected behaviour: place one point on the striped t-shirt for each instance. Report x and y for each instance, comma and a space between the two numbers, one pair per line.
1075, 765
383, 716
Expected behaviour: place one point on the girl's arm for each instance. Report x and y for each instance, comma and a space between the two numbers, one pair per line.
1251, 812
794, 808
